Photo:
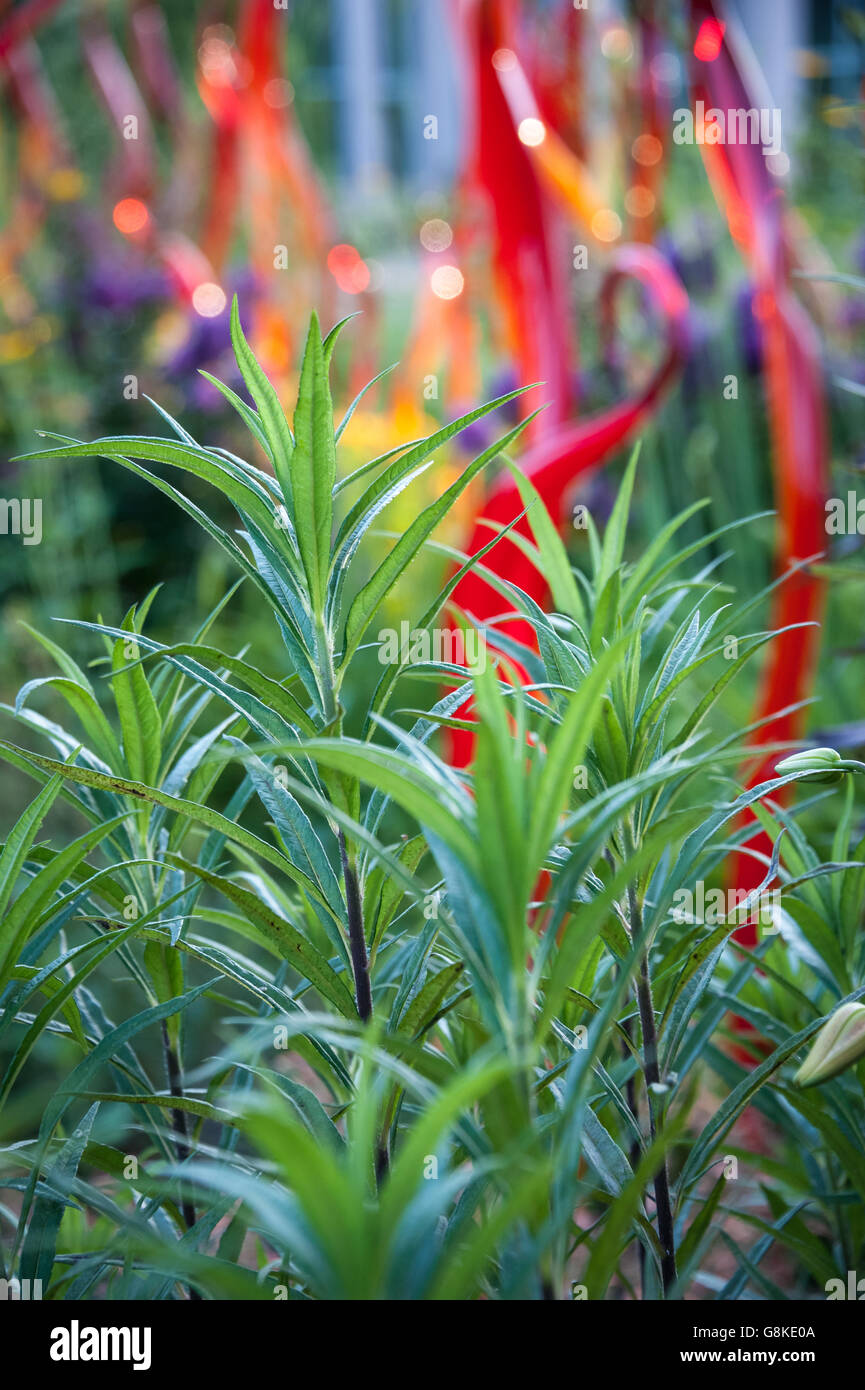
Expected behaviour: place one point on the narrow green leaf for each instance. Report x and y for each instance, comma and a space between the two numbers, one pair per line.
270, 411
137, 708
37, 1253
313, 466
21, 838
289, 942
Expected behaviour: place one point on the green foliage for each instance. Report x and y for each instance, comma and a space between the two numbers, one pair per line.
464, 1035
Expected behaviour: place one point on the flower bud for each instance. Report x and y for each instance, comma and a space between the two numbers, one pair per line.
817, 763
839, 1043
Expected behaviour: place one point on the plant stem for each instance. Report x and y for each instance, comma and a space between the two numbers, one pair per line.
356, 936
663, 1205
633, 1106
382, 1160
181, 1130
362, 986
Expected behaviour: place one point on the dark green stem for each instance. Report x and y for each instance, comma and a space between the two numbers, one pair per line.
356, 936
663, 1205
181, 1129
362, 986
633, 1106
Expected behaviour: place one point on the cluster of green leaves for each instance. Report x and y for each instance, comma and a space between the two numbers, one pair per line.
461, 1057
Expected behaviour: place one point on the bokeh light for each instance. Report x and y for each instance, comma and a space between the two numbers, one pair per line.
665, 69
617, 44
647, 150
130, 215
640, 201
348, 268
447, 281
209, 299
278, 93
216, 55
606, 225
710, 37
436, 234
531, 131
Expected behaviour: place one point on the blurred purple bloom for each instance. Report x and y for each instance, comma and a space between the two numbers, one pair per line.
209, 338
695, 266
120, 284
506, 380
206, 340
474, 438
598, 496
480, 435
700, 369
750, 338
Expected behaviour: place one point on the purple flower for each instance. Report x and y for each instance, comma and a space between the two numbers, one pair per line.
749, 335
694, 264
120, 284
208, 339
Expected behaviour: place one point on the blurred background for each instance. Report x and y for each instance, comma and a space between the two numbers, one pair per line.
476, 179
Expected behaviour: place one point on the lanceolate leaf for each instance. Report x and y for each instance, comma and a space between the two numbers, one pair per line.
16, 847
271, 414
313, 466
23, 915
80, 698
290, 943
139, 715
37, 1254
203, 814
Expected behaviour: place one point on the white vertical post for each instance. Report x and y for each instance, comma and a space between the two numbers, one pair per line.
357, 42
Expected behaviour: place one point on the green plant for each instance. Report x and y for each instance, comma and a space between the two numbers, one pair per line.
426, 1033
